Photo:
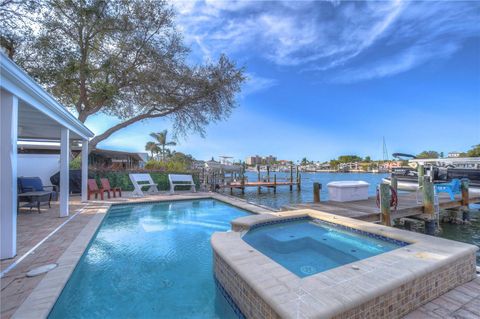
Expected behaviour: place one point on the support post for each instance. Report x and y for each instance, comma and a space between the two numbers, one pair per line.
84, 170
316, 192
8, 173
258, 179
213, 182
464, 188
274, 183
385, 198
64, 171
421, 172
243, 184
430, 226
291, 177
299, 182
428, 197
394, 183
268, 173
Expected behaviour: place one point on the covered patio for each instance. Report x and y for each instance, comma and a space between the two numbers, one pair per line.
29, 112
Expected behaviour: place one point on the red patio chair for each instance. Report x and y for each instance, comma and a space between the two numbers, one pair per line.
93, 189
106, 186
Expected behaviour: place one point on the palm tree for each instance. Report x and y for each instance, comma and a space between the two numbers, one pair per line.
161, 138
151, 147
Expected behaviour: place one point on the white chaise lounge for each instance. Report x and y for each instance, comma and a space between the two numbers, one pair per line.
180, 180
142, 180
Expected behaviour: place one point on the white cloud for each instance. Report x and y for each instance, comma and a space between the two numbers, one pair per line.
401, 62
256, 83
330, 36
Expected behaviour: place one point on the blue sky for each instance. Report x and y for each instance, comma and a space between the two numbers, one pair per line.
332, 78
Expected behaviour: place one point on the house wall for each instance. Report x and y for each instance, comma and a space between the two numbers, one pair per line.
41, 165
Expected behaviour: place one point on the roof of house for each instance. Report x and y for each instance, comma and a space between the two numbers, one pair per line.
111, 153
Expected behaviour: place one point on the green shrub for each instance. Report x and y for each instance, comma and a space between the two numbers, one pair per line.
121, 179
169, 166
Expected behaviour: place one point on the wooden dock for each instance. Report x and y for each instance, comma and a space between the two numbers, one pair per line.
367, 209
259, 184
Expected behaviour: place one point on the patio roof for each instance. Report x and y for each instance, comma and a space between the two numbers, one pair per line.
39, 114
28, 112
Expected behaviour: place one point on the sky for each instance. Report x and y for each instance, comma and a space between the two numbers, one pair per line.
332, 78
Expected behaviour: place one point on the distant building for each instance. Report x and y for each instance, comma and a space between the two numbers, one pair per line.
253, 160
258, 160
108, 159
453, 154
269, 160
391, 164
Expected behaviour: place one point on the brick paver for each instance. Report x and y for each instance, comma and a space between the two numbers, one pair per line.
31, 229
462, 302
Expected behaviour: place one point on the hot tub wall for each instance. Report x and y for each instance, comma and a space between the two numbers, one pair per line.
246, 299
411, 295
393, 304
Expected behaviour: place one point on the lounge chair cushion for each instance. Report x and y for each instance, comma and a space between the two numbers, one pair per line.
30, 184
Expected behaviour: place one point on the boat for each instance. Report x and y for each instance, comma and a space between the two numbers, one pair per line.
407, 177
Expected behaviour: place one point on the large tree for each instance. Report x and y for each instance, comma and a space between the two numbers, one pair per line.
474, 151
126, 59
15, 23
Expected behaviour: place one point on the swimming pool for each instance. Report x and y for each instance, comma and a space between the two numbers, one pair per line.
308, 246
150, 261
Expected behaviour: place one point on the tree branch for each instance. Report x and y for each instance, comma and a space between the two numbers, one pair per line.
150, 115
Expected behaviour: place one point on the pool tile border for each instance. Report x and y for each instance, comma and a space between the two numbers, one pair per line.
229, 299
42, 299
400, 243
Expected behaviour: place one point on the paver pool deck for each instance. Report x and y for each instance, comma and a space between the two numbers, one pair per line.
18, 292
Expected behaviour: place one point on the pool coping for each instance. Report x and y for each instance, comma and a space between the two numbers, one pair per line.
333, 292
43, 297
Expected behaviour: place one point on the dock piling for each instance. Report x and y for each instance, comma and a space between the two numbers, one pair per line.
258, 178
394, 183
464, 188
385, 198
430, 227
275, 183
429, 205
291, 177
428, 197
421, 172
316, 192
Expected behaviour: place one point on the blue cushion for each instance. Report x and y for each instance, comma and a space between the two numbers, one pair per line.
30, 184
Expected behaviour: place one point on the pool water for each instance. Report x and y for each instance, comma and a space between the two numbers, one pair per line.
306, 247
150, 261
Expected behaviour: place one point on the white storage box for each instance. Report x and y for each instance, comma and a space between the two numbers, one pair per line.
346, 191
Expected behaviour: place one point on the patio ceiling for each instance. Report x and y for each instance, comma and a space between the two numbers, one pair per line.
33, 124
39, 114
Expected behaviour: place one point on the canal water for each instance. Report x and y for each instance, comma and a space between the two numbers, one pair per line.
469, 233
285, 197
